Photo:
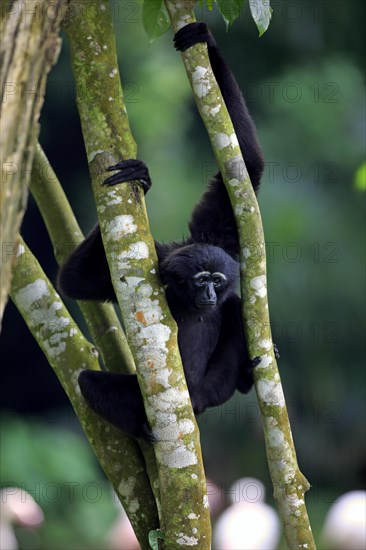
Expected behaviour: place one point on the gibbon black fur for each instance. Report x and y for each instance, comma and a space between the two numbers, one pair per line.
200, 275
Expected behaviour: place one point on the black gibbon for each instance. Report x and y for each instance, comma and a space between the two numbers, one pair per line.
200, 274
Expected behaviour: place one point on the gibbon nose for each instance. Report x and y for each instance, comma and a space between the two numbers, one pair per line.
211, 294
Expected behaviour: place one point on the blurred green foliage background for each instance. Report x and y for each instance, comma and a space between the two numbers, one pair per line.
304, 87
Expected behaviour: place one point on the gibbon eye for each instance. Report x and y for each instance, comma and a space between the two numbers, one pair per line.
218, 279
201, 279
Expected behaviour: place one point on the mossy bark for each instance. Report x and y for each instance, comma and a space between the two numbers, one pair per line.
65, 234
29, 47
101, 319
288, 481
150, 328
68, 352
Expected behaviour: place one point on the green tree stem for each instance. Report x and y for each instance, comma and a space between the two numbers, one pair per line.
150, 328
288, 481
101, 319
68, 352
65, 235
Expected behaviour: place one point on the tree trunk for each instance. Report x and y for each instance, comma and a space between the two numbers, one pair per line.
29, 47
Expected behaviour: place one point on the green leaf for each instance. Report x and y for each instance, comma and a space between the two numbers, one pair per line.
154, 537
360, 179
155, 18
210, 4
230, 10
261, 12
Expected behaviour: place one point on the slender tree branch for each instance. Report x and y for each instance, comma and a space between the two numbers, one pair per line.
101, 319
68, 352
288, 481
65, 234
150, 329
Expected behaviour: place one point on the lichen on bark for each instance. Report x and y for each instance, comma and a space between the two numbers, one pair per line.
150, 328
288, 481
68, 352
28, 49
65, 234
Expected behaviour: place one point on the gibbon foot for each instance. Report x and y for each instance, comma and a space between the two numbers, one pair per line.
147, 435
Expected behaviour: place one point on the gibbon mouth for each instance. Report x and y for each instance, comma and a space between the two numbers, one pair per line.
206, 305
